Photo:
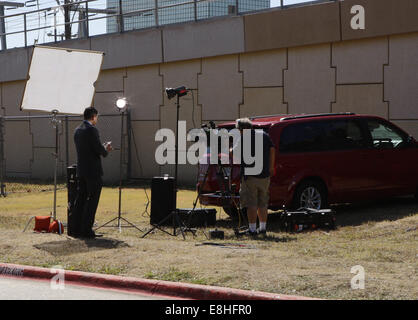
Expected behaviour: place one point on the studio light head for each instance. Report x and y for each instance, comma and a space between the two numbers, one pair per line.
121, 104
172, 92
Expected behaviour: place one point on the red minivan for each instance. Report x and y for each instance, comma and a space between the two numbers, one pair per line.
323, 159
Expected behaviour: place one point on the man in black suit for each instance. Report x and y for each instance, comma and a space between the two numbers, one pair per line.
89, 173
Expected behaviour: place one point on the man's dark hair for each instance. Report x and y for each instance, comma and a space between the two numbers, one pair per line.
89, 113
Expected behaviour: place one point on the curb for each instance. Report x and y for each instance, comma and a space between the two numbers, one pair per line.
150, 287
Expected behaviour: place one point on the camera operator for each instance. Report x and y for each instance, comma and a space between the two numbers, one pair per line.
254, 190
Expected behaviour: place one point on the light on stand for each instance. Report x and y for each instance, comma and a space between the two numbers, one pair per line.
122, 106
121, 103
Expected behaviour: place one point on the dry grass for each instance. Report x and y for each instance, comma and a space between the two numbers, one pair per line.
381, 237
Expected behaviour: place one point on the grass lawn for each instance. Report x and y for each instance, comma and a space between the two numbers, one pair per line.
381, 237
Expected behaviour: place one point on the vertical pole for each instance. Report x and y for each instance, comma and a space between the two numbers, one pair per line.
129, 132
25, 28
87, 20
121, 20
55, 25
156, 13
195, 10
281, 3
67, 153
2, 186
177, 144
56, 168
236, 7
2, 29
120, 171
67, 21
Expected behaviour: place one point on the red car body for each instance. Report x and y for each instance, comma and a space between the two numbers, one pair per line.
375, 159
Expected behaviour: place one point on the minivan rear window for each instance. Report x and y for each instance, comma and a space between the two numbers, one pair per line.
318, 136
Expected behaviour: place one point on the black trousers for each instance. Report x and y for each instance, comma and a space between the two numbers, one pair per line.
85, 206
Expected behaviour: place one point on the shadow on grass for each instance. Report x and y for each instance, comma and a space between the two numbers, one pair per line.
391, 209
375, 211
72, 246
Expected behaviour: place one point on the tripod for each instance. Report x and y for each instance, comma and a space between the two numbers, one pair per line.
119, 218
174, 215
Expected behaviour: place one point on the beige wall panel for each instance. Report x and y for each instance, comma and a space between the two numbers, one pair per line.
362, 99
401, 77
111, 164
14, 64
182, 73
263, 69
43, 164
111, 80
309, 82
383, 17
130, 48
144, 134
82, 44
410, 126
105, 102
12, 95
72, 154
262, 101
43, 132
360, 61
144, 91
2, 110
188, 112
220, 88
186, 175
318, 23
17, 147
203, 39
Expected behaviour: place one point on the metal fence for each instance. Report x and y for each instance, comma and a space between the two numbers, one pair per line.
28, 146
82, 19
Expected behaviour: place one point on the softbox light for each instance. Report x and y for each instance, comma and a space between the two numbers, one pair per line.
61, 79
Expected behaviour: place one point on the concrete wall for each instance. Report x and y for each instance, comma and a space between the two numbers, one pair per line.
304, 59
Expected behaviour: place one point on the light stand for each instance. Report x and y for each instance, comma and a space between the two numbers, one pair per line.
55, 123
122, 106
174, 215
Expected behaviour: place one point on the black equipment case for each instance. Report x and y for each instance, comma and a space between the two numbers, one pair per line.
163, 199
307, 219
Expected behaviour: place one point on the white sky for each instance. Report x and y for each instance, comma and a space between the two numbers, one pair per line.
35, 20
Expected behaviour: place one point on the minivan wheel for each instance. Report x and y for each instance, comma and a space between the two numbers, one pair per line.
310, 194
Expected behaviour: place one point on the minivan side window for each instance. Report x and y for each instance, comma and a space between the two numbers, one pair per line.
302, 137
383, 135
318, 136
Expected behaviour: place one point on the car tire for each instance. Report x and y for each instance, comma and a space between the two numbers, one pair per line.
311, 194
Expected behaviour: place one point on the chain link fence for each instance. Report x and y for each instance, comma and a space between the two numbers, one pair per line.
28, 149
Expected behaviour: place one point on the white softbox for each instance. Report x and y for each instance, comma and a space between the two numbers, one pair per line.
61, 80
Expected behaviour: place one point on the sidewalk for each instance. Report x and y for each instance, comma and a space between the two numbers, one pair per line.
144, 286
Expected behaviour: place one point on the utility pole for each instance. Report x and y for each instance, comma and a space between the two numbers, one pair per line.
67, 19
2, 20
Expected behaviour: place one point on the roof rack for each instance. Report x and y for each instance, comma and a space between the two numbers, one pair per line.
318, 115
267, 116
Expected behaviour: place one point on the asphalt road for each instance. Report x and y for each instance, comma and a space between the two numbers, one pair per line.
23, 289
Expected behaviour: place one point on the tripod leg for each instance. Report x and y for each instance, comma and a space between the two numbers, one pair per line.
105, 224
158, 226
131, 224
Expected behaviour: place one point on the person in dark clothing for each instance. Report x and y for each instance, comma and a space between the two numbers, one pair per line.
254, 190
89, 172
